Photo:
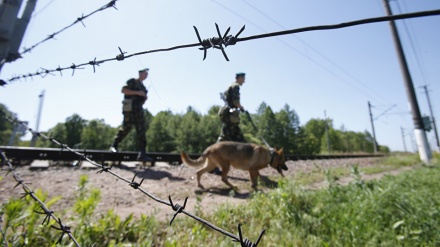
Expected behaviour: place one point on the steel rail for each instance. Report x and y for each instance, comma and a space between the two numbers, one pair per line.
57, 154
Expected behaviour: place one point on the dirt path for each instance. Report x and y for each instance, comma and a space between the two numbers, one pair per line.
162, 181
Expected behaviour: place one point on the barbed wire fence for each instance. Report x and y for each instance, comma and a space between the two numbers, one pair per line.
244, 242
220, 42
111, 4
65, 229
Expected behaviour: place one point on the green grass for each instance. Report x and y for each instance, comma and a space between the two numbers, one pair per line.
395, 211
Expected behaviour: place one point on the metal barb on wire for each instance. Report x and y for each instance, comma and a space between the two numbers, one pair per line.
246, 242
218, 42
64, 228
176, 208
60, 69
45, 72
112, 4
105, 168
48, 214
27, 191
134, 184
80, 19
94, 63
121, 56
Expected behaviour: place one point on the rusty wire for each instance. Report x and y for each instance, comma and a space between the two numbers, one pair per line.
244, 242
221, 42
65, 229
111, 4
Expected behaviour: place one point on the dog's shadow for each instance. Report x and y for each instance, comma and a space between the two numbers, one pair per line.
224, 192
264, 181
268, 183
235, 192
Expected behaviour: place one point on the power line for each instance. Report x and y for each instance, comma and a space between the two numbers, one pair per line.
42, 9
296, 50
411, 42
320, 54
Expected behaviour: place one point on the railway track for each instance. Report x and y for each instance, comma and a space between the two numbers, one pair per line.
23, 154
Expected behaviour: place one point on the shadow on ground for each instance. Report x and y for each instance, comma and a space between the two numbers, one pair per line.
235, 193
156, 175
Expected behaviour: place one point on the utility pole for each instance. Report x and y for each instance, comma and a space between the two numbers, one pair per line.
12, 28
432, 118
403, 138
372, 127
326, 132
34, 137
419, 131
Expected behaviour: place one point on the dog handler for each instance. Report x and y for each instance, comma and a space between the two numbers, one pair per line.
229, 114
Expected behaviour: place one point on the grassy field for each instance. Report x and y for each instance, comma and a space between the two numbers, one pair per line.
402, 210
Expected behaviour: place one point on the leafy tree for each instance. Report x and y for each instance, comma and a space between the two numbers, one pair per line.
261, 108
268, 127
209, 127
288, 129
96, 135
158, 137
74, 125
188, 135
6, 127
58, 133
193, 132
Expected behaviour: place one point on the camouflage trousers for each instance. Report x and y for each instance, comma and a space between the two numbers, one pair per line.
230, 132
136, 119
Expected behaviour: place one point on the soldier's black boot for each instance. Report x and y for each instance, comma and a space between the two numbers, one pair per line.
142, 156
114, 147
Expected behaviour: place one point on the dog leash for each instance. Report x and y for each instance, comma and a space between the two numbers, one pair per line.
256, 130
272, 150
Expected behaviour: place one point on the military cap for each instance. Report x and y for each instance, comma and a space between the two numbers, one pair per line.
144, 70
240, 74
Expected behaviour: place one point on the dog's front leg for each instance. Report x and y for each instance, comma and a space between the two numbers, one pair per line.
254, 174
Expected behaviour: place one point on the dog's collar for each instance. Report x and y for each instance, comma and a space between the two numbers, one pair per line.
272, 156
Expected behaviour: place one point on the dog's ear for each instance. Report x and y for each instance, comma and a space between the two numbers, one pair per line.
280, 151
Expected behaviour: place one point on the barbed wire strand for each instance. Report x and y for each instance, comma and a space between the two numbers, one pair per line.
65, 229
137, 185
111, 4
222, 41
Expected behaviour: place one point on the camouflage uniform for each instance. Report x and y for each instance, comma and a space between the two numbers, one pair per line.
134, 117
231, 131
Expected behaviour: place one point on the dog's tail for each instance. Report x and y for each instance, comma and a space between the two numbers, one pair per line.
195, 163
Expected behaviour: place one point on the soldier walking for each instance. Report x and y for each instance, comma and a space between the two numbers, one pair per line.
135, 95
230, 113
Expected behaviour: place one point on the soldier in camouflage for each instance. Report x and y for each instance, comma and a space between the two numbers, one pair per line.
230, 120
135, 95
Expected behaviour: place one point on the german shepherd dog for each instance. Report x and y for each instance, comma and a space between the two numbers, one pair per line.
244, 156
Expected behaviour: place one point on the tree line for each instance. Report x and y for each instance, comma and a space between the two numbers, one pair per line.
193, 132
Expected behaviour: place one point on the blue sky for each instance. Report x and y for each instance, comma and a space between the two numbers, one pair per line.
337, 71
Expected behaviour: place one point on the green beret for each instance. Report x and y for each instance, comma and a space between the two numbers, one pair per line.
144, 70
